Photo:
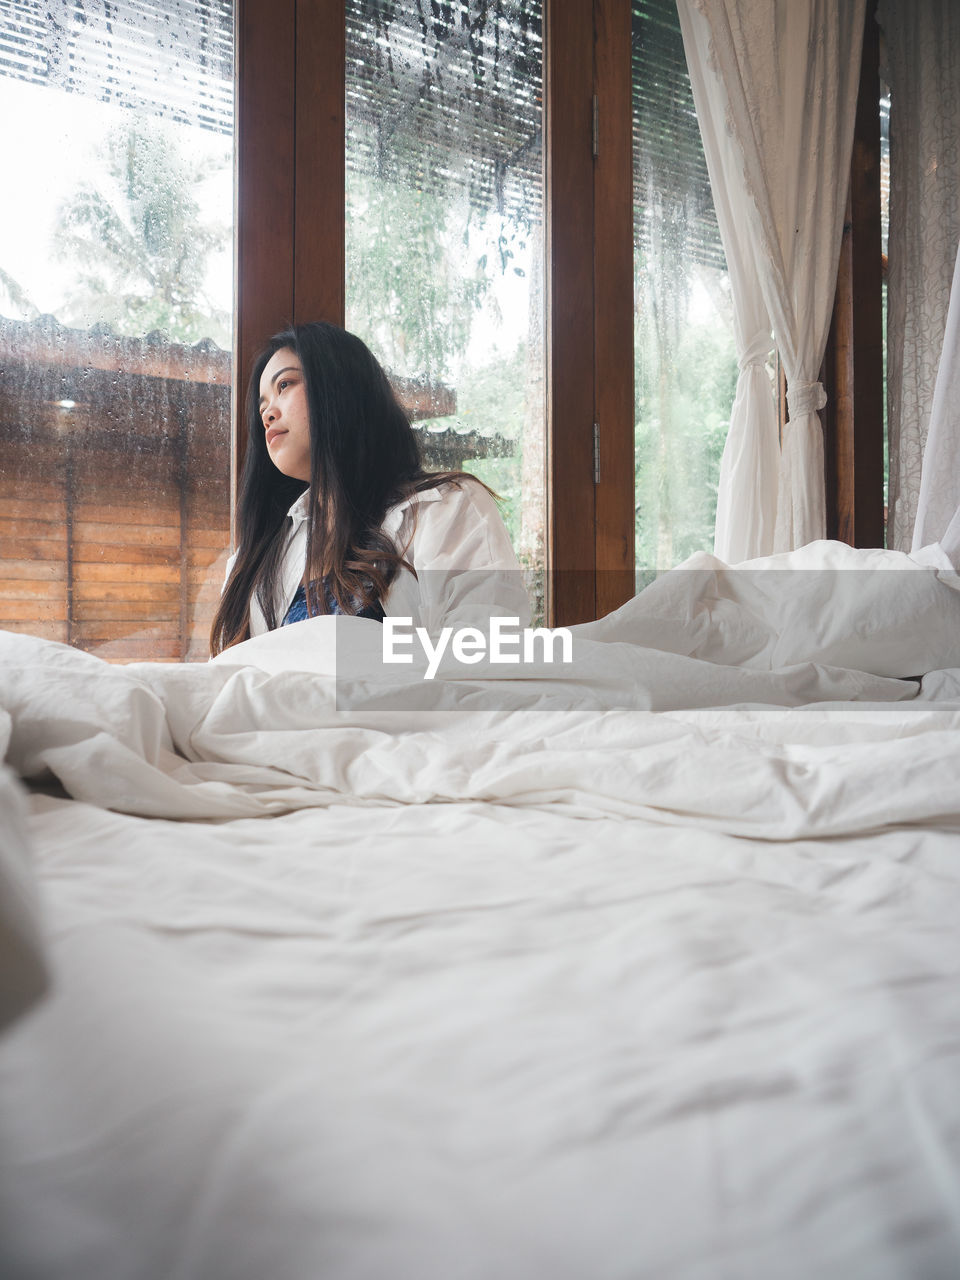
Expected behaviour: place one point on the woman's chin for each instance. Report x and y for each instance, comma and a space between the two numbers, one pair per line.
290, 469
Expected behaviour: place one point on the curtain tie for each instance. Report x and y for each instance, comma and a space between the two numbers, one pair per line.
754, 354
804, 397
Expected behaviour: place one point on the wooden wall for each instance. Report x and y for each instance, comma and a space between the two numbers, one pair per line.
114, 515
33, 541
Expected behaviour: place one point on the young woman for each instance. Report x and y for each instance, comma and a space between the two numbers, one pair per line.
336, 513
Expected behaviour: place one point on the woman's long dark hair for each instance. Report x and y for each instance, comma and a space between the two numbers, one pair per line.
364, 458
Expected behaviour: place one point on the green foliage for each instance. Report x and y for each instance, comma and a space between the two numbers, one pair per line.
490, 401
412, 300
491, 398
684, 396
409, 296
139, 244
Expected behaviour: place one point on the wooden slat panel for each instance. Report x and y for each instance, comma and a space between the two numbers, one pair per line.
203, 525
98, 553
129, 577
162, 595
54, 548
36, 507
36, 570
118, 574
613, 319
198, 579
29, 528
161, 632
24, 610
41, 492
29, 589
210, 541
202, 595
135, 612
45, 630
33, 543
207, 511
158, 595
156, 513
568, 131
142, 649
119, 535
138, 481
206, 558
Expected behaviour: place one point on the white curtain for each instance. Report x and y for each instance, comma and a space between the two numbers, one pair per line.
922, 41
749, 469
938, 504
781, 77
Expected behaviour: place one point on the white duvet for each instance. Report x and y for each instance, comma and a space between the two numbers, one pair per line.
644, 966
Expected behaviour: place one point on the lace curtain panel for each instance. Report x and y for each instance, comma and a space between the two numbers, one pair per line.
922, 40
775, 85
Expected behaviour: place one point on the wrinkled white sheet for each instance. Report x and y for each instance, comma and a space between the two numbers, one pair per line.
306, 716
564, 985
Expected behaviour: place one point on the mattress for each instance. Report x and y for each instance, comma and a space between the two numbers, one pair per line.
644, 965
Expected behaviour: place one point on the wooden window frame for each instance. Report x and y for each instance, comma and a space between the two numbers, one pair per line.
853, 364
290, 253
289, 240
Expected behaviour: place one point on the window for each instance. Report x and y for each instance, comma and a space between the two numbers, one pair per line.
424, 174
444, 234
686, 361
115, 324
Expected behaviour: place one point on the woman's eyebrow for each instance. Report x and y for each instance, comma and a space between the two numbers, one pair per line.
291, 368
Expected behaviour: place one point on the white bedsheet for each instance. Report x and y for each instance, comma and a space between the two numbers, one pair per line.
561, 986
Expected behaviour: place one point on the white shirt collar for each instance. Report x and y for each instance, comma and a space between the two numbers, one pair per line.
301, 508
391, 521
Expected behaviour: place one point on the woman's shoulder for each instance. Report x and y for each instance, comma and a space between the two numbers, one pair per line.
455, 523
451, 492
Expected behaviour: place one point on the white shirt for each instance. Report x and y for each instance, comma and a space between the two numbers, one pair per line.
454, 537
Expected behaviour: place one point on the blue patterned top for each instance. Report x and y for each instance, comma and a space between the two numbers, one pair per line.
298, 607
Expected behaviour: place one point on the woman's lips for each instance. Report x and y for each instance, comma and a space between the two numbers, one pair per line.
273, 433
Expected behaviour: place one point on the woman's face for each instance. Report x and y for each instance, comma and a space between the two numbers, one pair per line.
283, 410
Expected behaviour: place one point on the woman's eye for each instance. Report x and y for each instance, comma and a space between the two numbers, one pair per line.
284, 382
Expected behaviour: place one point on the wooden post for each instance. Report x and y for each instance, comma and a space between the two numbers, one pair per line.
853, 365
290, 176
320, 203
569, 231
265, 191
613, 306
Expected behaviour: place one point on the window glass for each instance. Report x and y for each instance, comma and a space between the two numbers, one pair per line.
115, 323
444, 236
685, 355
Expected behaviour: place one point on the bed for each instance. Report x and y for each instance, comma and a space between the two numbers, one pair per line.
642, 965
